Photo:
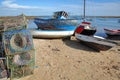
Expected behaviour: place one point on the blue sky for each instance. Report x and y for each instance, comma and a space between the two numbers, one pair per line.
47, 7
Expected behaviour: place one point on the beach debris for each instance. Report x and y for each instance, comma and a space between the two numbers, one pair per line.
55, 49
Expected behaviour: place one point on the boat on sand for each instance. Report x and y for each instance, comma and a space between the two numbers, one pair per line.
59, 19
51, 34
99, 44
85, 28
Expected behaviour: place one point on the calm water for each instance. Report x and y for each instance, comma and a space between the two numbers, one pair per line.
99, 23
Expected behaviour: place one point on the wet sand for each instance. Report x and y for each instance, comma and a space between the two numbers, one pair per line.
58, 59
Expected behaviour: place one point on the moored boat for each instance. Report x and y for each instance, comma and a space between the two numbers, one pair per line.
99, 44
112, 32
85, 29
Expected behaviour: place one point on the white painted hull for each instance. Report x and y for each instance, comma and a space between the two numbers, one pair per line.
95, 42
50, 34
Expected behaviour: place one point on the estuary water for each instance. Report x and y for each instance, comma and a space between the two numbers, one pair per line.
98, 23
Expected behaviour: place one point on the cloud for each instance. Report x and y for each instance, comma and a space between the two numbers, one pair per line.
92, 8
11, 4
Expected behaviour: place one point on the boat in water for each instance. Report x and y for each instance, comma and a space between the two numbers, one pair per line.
96, 43
111, 32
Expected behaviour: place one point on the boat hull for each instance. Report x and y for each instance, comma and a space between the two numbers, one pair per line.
85, 29
95, 43
50, 33
88, 32
112, 32
54, 24
96, 46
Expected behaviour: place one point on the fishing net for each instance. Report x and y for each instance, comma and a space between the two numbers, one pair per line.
2, 54
17, 41
13, 23
21, 64
17, 54
3, 71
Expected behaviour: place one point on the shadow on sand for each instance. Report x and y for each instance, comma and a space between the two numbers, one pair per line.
116, 38
77, 45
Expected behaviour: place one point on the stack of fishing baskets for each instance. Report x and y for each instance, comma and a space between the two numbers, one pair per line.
17, 54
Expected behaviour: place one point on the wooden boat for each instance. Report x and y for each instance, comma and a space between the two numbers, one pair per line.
59, 19
112, 32
52, 34
99, 44
85, 29
54, 23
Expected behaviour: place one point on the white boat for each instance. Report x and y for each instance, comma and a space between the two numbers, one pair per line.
99, 44
37, 33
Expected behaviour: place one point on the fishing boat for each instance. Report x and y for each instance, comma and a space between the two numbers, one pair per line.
59, 19
54, 24
111, 32
97, 43
57, 27
86, 29
51, 34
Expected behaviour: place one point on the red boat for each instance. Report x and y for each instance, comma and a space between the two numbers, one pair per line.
112, 32
85, 29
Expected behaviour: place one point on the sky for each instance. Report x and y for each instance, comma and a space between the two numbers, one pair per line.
47, 7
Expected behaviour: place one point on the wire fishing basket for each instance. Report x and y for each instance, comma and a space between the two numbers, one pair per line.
17, 41
21, 64
13, 23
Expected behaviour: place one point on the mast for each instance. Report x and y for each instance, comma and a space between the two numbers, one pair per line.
84, 11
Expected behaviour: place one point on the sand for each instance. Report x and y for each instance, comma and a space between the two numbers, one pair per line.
58, 59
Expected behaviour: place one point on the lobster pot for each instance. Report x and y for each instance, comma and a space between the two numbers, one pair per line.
3, 71
21, 64
1, 47
2, 54
17, 41
13, 23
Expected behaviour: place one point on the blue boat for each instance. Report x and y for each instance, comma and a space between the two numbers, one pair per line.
57, 27
57, 22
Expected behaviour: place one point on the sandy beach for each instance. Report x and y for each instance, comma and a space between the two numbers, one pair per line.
59, 59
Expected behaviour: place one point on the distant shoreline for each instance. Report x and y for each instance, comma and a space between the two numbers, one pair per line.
32, 17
